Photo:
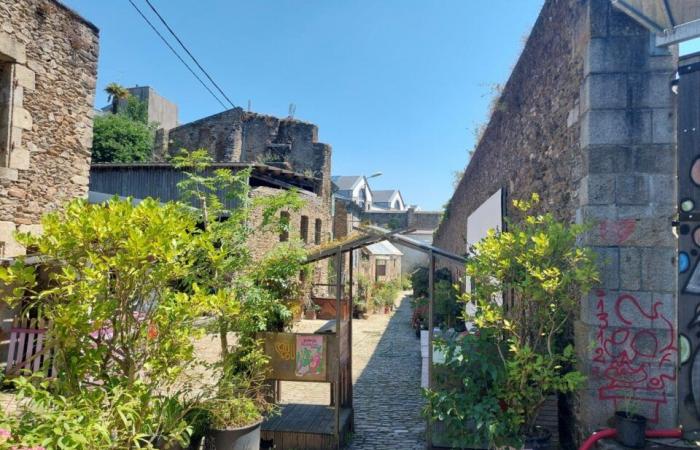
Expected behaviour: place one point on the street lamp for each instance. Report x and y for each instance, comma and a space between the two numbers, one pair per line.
375, 175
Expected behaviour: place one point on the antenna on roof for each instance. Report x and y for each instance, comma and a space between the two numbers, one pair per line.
292, 110
250, 105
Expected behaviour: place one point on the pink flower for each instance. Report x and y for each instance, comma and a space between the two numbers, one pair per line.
5, 435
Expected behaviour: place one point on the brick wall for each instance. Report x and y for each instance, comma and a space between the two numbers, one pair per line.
53, 55
586, 119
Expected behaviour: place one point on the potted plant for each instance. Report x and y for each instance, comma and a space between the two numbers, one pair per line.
235, 406
526, 285
630, 426
311, 310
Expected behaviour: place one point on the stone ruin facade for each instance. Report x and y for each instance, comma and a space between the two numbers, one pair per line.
239, 136
587, 120
48, 70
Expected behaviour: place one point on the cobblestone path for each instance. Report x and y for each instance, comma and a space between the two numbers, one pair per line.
386, 365
387, 395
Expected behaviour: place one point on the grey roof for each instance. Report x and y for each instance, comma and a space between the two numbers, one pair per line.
346, 183
384, 248
383, 196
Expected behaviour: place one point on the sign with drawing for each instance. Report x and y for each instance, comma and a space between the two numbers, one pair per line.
310, 357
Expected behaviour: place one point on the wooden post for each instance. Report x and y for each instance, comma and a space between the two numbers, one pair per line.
338, 322
431, 308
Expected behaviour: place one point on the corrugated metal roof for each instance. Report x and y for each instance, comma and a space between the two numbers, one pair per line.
384, 248
661, 15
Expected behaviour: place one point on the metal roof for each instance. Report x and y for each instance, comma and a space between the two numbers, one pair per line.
384, 248
673, 21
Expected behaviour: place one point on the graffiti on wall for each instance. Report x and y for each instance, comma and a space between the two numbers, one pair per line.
634, 364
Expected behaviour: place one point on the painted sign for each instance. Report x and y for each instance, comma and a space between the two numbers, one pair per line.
310, 357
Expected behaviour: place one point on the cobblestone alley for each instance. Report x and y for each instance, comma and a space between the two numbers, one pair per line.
386, 376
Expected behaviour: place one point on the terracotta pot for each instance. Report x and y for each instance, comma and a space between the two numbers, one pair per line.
244, 438
310, 315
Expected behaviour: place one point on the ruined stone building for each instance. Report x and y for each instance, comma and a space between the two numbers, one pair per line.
239, 136
587, 120
282, 153
48, 68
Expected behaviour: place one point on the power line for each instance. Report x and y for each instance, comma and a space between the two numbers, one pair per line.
188, 52
177, 54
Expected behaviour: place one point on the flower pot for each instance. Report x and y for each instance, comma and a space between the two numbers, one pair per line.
630, 429
539, 440
245, 438
310, 315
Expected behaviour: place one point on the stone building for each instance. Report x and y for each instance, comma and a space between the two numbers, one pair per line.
239, 136
48, 66
380, 262
587, 120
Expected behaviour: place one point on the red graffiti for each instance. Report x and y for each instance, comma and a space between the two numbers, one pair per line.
634, 364
617, 231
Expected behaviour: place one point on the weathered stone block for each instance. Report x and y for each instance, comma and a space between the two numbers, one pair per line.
615, 127
630, 268
608, 262
81, 180
636, 159
34, 229
663, 189
11, 48
604, 91
597, 190
25, 77
21, 118
8, 174
659, 269
664, 126
632, 189
615, 54
19, 159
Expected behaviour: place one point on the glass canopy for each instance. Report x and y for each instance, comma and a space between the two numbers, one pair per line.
673, 20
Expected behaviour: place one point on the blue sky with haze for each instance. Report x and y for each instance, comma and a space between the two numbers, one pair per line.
396, 86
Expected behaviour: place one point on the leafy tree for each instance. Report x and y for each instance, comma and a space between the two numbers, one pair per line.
120, 139
116, 92
249, 297
136, 110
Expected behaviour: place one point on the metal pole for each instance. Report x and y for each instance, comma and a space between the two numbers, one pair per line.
338, 301
350, 309
431, 299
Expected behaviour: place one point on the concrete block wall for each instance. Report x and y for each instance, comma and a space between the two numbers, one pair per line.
626, 335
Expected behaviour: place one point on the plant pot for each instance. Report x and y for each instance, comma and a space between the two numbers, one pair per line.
540, 440
310, 315
630, 429
245, 438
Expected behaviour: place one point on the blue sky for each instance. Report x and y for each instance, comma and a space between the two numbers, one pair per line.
394, 85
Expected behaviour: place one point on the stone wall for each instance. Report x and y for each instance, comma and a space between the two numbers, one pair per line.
314, 209
235, 135
587, 121
52, 55
48, 67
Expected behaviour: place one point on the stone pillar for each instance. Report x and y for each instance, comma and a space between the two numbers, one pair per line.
626, 335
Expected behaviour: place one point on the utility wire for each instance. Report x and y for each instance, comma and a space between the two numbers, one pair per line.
188, 52
177, 54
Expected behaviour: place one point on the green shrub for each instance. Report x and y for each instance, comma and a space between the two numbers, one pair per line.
120, 139
542, 272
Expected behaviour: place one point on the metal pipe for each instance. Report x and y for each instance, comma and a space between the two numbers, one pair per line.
612, 432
